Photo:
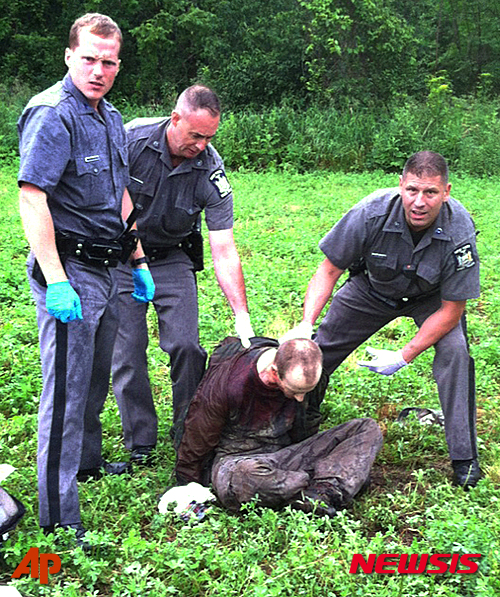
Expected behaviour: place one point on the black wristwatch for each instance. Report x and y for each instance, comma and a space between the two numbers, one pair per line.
140, 261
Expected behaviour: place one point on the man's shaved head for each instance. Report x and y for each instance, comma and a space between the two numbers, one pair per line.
299, 353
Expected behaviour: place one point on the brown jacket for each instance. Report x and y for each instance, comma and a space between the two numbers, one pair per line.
234, 412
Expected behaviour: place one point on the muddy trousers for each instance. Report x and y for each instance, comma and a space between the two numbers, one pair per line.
343, 456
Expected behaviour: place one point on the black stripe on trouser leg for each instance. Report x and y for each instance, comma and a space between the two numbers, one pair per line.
57, 424
472, 391
472, 406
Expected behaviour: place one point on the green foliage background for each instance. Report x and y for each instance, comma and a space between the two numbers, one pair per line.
411, 506
355, 139
322, 98
260, 53
338, 85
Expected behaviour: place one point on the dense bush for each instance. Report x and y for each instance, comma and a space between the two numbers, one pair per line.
259, 53
466, 132
355, 138
12, 101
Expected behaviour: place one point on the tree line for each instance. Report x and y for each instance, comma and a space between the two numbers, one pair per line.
262, 53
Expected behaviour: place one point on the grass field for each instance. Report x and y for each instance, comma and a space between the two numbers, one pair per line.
411, 507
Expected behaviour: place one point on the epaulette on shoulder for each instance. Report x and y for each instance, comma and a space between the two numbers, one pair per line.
49, 97
143, 122
380, 202
213, 155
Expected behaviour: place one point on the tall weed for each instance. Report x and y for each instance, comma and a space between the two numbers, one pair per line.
466, 131
12, 101
350, 139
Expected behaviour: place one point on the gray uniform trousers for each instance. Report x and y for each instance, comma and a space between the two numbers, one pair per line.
76, 363
176, 305
354, 315
342, 456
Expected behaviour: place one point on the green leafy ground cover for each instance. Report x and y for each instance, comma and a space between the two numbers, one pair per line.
411, 506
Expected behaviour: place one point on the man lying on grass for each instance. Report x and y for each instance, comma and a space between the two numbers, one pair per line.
252, 430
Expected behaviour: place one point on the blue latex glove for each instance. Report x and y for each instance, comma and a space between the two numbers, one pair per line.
62, 302
144, 287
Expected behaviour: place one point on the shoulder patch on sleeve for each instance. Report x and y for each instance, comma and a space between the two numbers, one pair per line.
464, 257
219, 179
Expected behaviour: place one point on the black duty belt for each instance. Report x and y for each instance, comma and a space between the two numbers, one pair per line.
157, 253
97, 252
402, 303
100, 252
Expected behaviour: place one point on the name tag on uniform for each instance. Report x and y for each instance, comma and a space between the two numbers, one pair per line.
92, 158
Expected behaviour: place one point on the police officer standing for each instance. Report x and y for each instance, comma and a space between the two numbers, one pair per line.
414, 253
73, 200
175, 175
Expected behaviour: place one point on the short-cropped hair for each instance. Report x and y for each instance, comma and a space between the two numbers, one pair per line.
98, 24
427, 163
199, 97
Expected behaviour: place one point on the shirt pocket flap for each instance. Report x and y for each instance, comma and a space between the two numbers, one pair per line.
137, 187
429, 272
383, 266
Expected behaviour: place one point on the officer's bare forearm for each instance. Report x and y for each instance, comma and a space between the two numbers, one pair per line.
228, 270
39, 229
434, 328
127, 206
320, 290
229, 275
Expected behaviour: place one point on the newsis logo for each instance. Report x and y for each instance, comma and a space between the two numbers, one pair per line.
438, 563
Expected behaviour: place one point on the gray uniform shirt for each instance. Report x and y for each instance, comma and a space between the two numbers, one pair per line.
78, 157
375, 229
173, 198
